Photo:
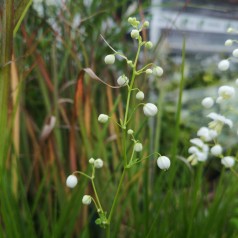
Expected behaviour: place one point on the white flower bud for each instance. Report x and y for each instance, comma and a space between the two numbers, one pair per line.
98, 163
130, 132
163, 162
140, 95
150, 109
71, 181
149, 71
228, 42
135, 34
158, 71
230, 29
122, 80
148, 45
87, 200
138, 147
224, 65
235, 53
146, 24
91, 161
129, 62
228, 161
103, 118
109, 59
216, 150
207, 102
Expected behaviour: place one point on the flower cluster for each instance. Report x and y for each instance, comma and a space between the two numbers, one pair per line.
207, 141
126, 82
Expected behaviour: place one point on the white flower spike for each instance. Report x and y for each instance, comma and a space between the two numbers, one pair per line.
150, 109
87, 199
163, 162
71, 181
109, 59
103, 118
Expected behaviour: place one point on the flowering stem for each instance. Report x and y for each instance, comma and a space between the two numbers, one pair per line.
85, 175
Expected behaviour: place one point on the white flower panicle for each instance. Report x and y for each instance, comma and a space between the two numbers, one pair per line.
163, 162
216, 150
103, 118
228, 161
138, 147
140, 95
109, 59
98, 163
87, 199
224, 65
207, 102
122, 80
71, 181
150, 109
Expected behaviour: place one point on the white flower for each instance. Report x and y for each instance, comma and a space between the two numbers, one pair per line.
228, 42
109, 59
148, 45
91, 161
150, 109
103, 118
158, 71
208, 102
122, 80
140, 95
235, 53
218, 121
226, 92
130, 132
216, 150
98, 163
71, 181
163, 162
198, 142
149, 71
206, 134
224, 65
228, 161
87, 199
230, 29
138, 147
135, 34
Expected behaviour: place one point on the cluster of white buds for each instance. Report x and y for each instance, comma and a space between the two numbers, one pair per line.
97, 163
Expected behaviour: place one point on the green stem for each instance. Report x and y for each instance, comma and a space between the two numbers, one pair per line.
96, 195
117, 195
